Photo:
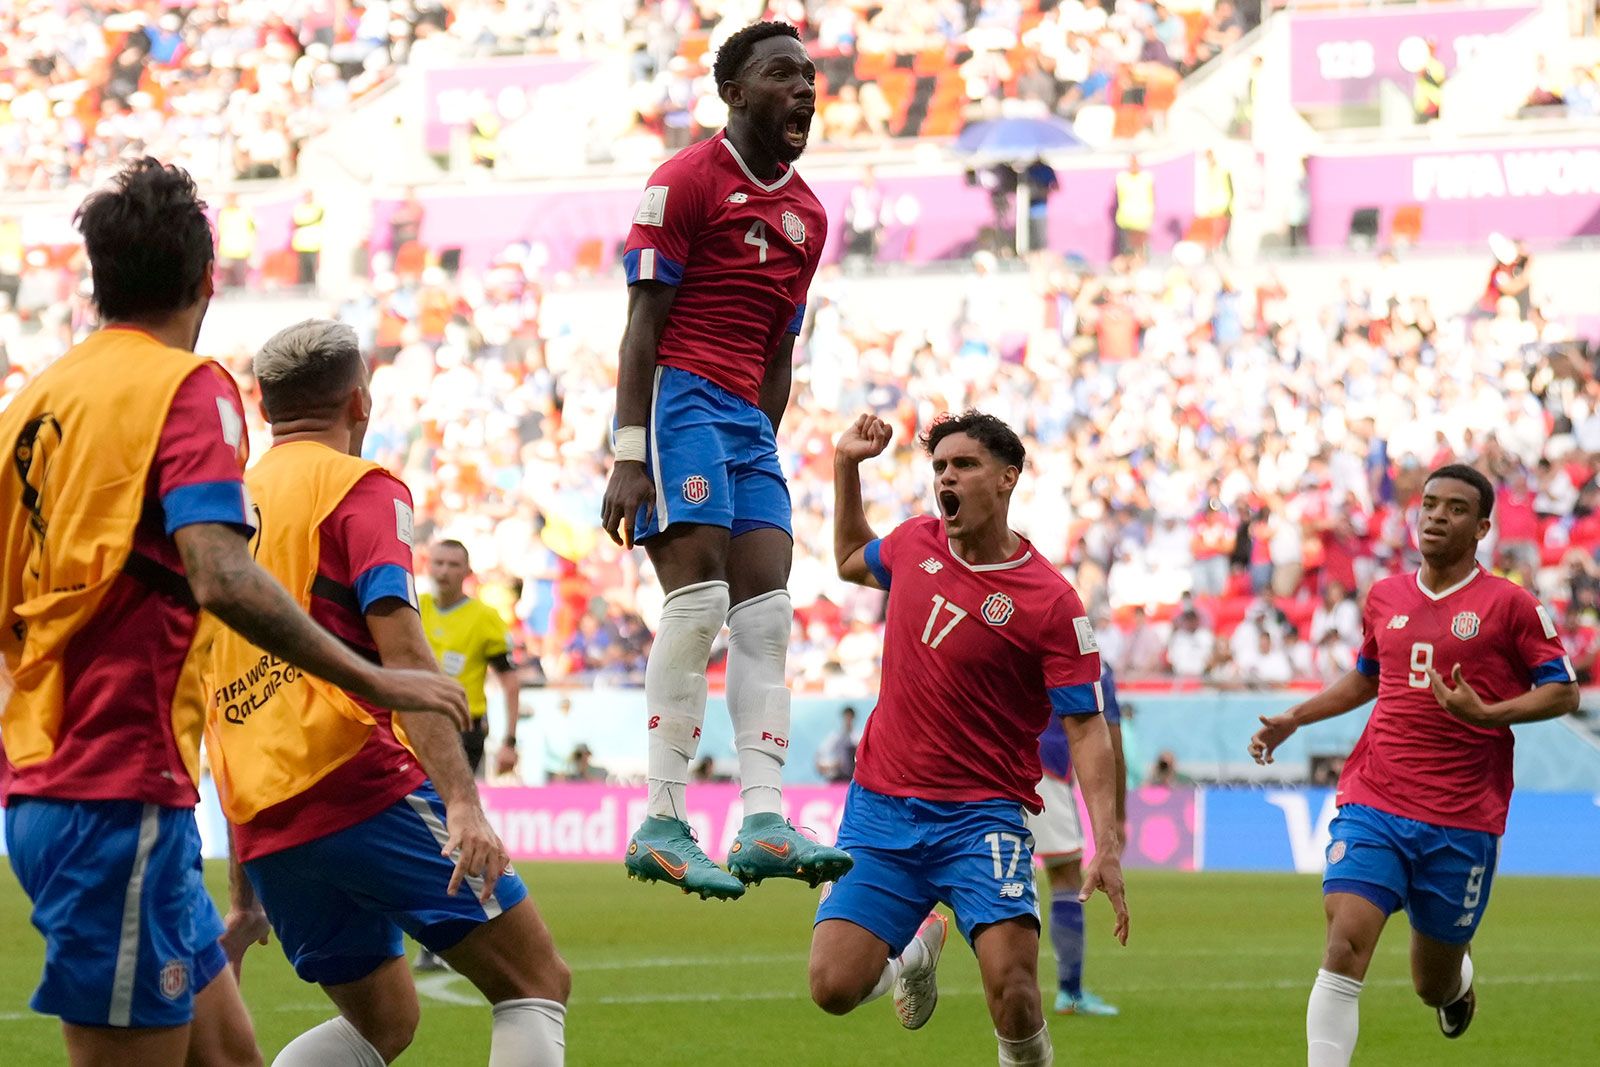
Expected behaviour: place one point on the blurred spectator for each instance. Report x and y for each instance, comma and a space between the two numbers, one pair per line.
405, 225
863, 220
1264, 663
306, 240
1427, 93
1337, 613
1213, 205
236, 242
836, 756
1164, 772
1510, 276
1191, 647
1136, 209
580, 767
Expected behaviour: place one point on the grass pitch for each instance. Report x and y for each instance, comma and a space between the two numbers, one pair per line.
1217, 972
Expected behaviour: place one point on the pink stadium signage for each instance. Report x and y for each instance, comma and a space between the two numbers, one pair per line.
593, 822
455, 96
1342, 58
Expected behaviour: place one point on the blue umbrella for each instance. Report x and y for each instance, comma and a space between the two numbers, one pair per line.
1018, 138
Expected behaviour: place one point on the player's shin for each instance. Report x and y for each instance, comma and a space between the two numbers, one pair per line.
1333, 1019
758, 700
1066, 937
1035, 1051
528, 1033
335, 1043
675, 689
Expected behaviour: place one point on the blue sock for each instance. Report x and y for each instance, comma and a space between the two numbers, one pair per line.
1066, 935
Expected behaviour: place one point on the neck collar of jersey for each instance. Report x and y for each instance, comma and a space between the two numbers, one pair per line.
767, 187
980, 568
1462, 584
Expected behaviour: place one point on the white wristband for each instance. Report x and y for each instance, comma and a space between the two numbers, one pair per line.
628, 444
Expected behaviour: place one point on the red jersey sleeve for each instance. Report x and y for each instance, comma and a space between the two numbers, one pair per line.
372, 528
1537, 643
198, 471
1367, 658
1071, 658
670, 214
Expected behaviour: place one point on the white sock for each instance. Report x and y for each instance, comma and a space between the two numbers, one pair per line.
1333, 1018
335, 1043
1466, 979
915, 956
1035, 1051
675, 689
528, 1033
758, 700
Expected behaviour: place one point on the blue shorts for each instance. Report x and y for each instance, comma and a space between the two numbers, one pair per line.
1441, 875
713, 458
119, 894
975, 856
340, 903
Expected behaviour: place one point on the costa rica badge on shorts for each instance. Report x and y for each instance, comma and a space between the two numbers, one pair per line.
174, 979
1336, 852
696, 490
1465, 625
997, 609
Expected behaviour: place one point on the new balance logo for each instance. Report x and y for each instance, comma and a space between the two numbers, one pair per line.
1012, 891
1399, 622
738, 198
931, 565
1465, 920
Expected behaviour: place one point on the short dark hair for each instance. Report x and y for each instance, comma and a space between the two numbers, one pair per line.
149, 242
735, 51
1001, 440
1473, 477
451, 542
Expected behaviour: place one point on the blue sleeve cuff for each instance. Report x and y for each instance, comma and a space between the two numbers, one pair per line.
219, 502
1368, 667
798, 320
1085, 699
384, 581
1108, 695
1557, 670
874, 557
649, 265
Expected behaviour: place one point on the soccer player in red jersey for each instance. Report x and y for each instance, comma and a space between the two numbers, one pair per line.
126, 518
1455, 657
719, 260
984, 641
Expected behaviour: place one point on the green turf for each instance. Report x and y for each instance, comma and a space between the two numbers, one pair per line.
1217, 972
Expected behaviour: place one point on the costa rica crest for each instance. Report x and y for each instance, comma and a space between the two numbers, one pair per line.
1465, 625
696, 489
174, 979
997, 609
794, 228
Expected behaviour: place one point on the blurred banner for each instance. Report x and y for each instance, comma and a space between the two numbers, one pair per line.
1181, 829
1341, 58
456, 96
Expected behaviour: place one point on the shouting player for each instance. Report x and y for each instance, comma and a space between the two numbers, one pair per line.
984, 641
1455, 657
719, 259
1058, 841
340, 830
125, 516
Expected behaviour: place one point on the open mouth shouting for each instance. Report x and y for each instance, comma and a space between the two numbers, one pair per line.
949, 504
797, 129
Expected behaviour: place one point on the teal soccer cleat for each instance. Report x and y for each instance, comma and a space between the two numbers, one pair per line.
1085, 1003
768, 846
664, 850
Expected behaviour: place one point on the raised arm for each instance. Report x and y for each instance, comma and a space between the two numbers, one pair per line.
227, 582
630, 487
868, 436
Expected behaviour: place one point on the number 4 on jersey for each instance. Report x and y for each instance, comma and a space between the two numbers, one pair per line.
757, 235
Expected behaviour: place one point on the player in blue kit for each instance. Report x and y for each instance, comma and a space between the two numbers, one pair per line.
1058, 841
721, 254
984, 642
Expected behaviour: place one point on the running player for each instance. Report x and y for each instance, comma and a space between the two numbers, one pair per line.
1058, 841
338, 825
1423, 797
984, 642
125, 516
719, 259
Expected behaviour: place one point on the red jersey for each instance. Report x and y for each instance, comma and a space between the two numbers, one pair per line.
362, 560
741, 253
1413, 758
115, 742
975, 661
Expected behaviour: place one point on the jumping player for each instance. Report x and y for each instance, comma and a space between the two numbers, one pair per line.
125, 515
1423, 797
339, 828
984, 642
719, 259
1058, 842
